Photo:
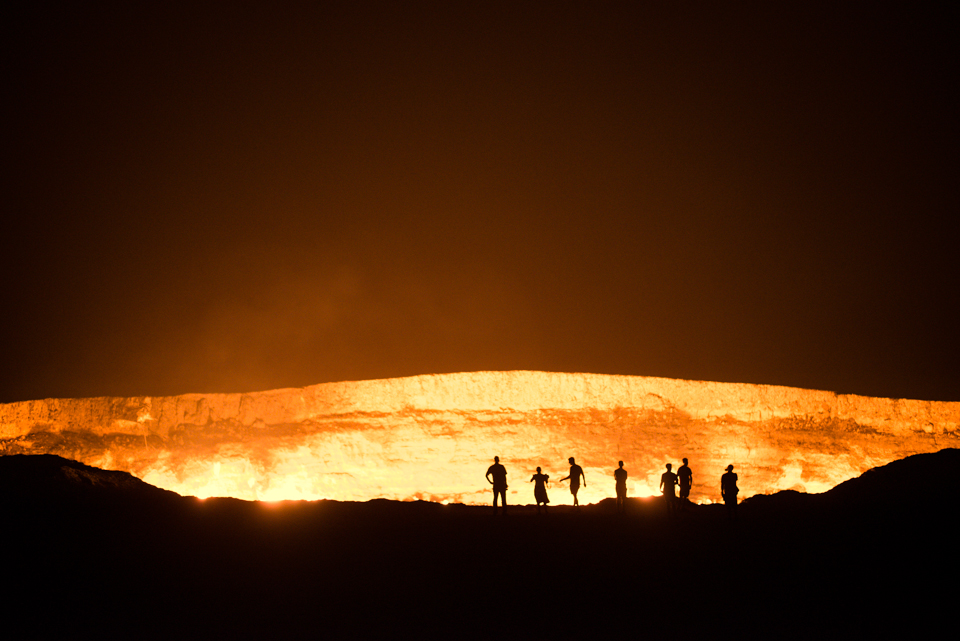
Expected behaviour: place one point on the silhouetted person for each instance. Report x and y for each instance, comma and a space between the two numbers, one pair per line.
729, 491
499, 482
620, 476
576, 473
686, 482
540, 490
668, 484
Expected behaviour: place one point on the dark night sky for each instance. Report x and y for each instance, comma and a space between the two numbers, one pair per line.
240, 197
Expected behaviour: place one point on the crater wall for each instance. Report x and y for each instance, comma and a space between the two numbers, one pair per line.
434, 436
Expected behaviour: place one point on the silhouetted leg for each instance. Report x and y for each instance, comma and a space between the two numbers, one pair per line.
503, 501
731, 509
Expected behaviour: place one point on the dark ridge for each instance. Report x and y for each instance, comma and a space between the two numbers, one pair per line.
917, 483
49, 477
46, 477
109, 556
917, 478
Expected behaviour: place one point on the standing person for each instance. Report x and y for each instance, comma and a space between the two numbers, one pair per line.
668, 484
729, 491
686, 481
499, 483
576, 473
620, 475
540, 490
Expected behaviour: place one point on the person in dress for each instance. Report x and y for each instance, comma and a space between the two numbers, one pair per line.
540, 481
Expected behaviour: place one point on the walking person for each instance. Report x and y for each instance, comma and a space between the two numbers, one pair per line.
576, 473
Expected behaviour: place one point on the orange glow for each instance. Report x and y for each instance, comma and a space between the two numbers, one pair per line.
299, 475
432, 437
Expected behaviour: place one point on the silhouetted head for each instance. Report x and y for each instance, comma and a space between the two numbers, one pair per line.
684, 461
729, 468
571, 461
538, 470
496, 459
621, 463
669, 465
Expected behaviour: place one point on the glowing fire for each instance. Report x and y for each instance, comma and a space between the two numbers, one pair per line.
433, 437
297, 475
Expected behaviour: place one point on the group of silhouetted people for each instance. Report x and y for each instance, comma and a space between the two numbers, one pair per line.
684, 478
497, 476
669, 482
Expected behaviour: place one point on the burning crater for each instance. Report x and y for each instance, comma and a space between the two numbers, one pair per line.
433, 437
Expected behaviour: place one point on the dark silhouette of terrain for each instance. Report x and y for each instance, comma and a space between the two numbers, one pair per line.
101, 553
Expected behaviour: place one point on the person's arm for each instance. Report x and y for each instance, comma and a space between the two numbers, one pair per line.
584, 477
488, 478
563, 479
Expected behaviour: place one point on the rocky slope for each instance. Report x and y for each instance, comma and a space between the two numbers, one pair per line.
433, 436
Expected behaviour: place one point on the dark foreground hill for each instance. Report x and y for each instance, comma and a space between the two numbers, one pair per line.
90, 552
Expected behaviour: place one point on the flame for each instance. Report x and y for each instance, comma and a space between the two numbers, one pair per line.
309, 474
433, 437
417, 467
301, 475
